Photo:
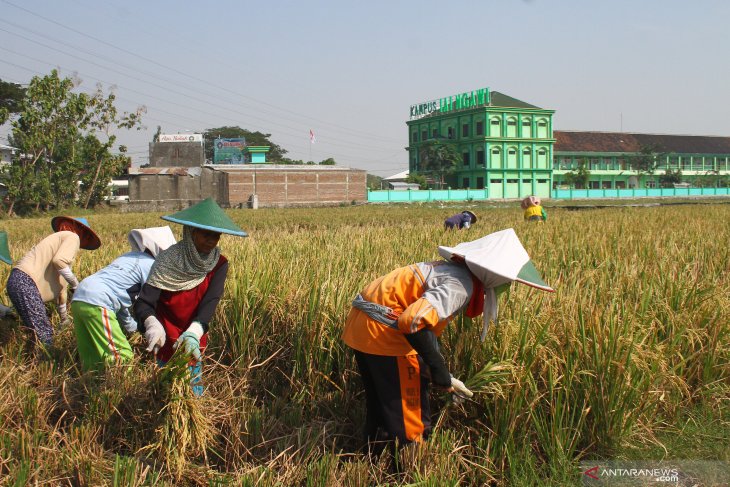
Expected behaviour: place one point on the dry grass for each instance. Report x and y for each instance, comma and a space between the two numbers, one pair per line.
637, 334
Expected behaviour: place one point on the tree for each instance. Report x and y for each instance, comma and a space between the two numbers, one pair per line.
11, 95
328, 162
670, 178
440, 159
57, 133
374, 182
579, 178
418, 179
276, 153
646, 161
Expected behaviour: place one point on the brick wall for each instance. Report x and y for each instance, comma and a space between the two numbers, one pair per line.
296, 187
276, 186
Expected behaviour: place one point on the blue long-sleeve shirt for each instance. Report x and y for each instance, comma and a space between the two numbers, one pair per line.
116, 286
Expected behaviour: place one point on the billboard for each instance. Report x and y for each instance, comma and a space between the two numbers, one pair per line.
229, 151
180, 138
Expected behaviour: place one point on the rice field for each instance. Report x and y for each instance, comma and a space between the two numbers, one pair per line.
630, 358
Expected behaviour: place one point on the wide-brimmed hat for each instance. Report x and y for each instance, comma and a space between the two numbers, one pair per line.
155, 239
497, 259
472, 215
4, 250
530, 201
82, 225
208, 216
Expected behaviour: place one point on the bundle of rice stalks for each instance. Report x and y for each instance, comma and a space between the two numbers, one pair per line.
185, 431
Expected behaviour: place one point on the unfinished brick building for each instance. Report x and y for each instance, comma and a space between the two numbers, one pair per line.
237, 186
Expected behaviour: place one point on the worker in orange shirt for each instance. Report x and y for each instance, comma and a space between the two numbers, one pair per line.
395, 321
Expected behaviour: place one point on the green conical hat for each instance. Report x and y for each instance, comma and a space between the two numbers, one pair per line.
208, 216
4, 250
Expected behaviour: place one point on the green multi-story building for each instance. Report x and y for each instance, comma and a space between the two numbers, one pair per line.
506, 144
508, 148
703, 161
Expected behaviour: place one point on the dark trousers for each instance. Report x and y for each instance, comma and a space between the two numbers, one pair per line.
26, 299
397, 397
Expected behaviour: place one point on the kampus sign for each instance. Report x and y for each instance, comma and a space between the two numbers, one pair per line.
468, 99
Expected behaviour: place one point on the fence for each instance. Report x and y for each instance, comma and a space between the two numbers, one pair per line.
390, 196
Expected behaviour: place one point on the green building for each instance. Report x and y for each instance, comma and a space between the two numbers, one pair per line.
697, 161
509, 150
506, 145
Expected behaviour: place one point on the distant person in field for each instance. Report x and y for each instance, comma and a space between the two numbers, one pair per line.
185, 284
103, 301
461, 220
395, 321
5, 257
44, 274
534, 212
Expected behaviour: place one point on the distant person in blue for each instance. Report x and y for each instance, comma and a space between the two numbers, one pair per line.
102, 302
460, 220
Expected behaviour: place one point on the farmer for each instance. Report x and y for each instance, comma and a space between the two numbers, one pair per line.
395, 321
44, 273
103, 300
460, 220
5, 257
534, 212
184, 286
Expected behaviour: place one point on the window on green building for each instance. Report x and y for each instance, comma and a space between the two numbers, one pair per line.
480, 157
480, 182
465, 130
424, 135
415, 136
435, 133
511, 127
527, 127
480, 128
465, 182
450, 133
466, 158
495, 127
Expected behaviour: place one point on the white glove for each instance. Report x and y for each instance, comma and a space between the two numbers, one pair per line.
190, 340
461, 393
70, 278
63, 314
154, 333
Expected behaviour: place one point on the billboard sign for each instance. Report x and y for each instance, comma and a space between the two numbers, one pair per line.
229, 151
180, 138
470, 99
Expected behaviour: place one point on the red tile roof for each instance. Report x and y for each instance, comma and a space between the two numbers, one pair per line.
625, 142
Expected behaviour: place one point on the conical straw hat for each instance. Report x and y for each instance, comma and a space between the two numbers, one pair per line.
208, 216
82, 224
497, 259
4, 250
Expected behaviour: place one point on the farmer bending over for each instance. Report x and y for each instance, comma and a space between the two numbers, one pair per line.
395, 321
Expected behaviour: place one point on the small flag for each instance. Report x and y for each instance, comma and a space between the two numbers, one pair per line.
312, 138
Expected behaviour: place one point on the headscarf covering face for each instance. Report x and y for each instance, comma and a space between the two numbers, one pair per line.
181, 266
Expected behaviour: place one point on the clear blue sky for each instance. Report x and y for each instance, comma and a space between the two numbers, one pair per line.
350, 70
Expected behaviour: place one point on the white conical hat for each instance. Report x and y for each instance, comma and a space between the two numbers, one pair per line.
155, 239
497, 259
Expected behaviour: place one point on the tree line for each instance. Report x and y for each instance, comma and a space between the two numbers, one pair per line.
64, 143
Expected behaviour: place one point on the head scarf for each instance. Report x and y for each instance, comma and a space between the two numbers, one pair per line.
181, 266
155, 239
